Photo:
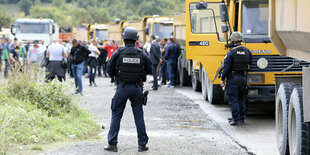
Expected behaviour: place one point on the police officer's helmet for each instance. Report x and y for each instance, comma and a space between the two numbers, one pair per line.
236, 36
130, 33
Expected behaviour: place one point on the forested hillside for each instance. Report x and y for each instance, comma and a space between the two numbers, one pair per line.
68, 13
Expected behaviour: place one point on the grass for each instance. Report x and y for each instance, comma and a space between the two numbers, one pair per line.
36, 113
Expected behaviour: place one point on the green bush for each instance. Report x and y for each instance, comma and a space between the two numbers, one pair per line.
33, 112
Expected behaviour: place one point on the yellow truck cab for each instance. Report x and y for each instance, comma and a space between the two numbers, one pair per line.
160, 26
209, 24
97, 31
115, 31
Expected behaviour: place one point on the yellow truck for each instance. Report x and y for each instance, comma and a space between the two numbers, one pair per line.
209, 24
97, 31
115, 31
289, 30
160, 26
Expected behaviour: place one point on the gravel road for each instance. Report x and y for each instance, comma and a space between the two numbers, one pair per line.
175, 125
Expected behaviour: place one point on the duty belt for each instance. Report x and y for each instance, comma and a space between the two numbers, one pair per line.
243, 73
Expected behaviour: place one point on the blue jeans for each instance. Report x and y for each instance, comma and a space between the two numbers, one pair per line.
92, 74
77, 70
122, 94
171, 67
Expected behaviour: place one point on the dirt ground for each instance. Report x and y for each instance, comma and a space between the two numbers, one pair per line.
175, 125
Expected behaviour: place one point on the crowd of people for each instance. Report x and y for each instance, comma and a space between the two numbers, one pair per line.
81, 58
164, 55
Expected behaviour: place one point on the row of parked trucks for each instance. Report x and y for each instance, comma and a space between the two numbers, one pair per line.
277, 32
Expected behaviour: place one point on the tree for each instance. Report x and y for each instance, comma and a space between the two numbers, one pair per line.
5, 19
99, 15
57, 3
150, 8
87, 3
58, 15
25, 6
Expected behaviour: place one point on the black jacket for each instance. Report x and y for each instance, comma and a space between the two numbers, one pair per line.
79, 54
155, 53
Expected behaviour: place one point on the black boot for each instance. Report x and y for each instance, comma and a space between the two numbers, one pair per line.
142, 148
235, 123
112, 148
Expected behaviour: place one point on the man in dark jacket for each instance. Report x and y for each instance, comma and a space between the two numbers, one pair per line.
102, 59
78, 54
171, 57
155, 59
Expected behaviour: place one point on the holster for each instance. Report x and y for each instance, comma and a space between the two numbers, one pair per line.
145, 94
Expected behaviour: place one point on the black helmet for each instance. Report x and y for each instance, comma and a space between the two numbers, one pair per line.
130, 33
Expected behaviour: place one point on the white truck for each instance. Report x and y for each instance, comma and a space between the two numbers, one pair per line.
35, 29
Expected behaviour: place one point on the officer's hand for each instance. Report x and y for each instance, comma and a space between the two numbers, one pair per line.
223, 84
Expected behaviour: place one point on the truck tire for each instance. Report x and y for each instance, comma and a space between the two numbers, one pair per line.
298, 131
204, 88
196, 85
282, 104
185, 80
212, 93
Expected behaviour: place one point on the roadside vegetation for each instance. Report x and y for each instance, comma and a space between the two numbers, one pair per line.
71, 13
34, 113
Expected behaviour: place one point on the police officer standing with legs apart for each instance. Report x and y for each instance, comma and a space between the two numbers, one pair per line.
236, 66
129, 65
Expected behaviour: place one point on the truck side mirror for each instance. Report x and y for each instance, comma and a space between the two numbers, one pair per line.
202, 6
13, 29
53, 29
147, 31
224, 28
223, 12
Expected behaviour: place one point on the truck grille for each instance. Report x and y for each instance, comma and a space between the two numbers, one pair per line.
277, 63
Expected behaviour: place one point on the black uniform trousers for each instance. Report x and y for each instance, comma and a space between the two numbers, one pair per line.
236, 91
133, 92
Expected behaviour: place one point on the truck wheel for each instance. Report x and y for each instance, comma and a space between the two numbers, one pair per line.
213, 93
298, 131
195, 82
185, 80
282, 103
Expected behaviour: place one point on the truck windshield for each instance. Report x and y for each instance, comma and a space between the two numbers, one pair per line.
163, 30
32, 28
255, 20
102, 34
206, 20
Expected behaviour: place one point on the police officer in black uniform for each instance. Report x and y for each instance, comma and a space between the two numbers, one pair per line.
236, 66
129, 65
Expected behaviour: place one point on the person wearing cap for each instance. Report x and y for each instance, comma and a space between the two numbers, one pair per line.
32, 56
129, 65
236, 66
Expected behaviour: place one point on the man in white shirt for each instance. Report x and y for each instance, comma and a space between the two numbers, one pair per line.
93, 62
